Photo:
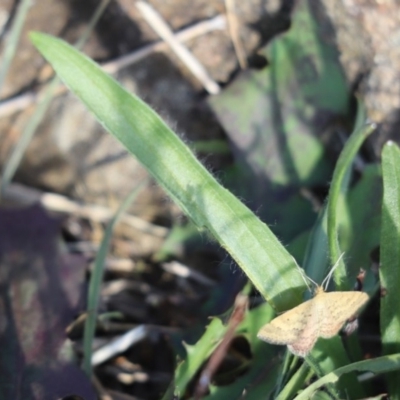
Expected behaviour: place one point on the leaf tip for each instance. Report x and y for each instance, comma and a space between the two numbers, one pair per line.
34, 36
40, 38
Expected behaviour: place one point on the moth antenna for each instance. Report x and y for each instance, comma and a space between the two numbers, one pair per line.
307, 279
329, 276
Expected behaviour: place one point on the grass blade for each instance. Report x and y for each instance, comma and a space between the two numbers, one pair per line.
97, 278
315, 261
40, 111
342, 168
375, 366
12, 41
27, 134
295, 383
389, 270
250, 242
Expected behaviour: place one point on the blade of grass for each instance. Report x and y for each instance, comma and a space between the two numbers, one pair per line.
43, 104
12, 41
337, 187
26, 136
315, 261
331, 354
389, 270
196, 355
98, 12
303, 374
97, 277
375, 366
251, 243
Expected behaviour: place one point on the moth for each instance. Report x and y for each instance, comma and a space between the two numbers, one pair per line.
322, 316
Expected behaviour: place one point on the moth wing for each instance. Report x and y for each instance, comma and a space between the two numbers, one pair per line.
303, 344
336, 308
286, 328
306, 338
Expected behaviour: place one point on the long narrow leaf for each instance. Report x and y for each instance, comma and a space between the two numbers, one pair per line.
250, 242
12, 42
342, 167
330, 354
295, 383
390, 259
315, 261
97, 278
18, 152
375, 366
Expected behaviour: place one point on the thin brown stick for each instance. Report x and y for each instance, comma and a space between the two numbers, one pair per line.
55, 202
234, 32
217, 357
8, 107
199, 29
163, 30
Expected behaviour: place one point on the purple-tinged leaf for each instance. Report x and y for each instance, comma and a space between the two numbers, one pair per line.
40, 290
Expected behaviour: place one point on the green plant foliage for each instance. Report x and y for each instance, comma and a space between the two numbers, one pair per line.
296, 382
13, 38
179, 236
375, 366
36, 118
275, 118
261, 363
362, 233
250, 242
302, 84
338, 188
97, 279
316, 262
196, 355
329, 355
390, 259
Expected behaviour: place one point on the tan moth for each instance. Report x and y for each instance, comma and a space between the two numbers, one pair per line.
322, 316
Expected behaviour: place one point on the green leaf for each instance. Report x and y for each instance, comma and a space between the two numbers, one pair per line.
261, 364
316, 261
301, 376
389, 270
197, 355
257, 251
13, 37
96, 279
275, 119
364, 221
179, 237
43, 103
338, 187
330, 354
375, 366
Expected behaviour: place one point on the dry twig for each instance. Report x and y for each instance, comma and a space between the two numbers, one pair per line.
21, 102
239, 310
234, 32
55, 202
162, 29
